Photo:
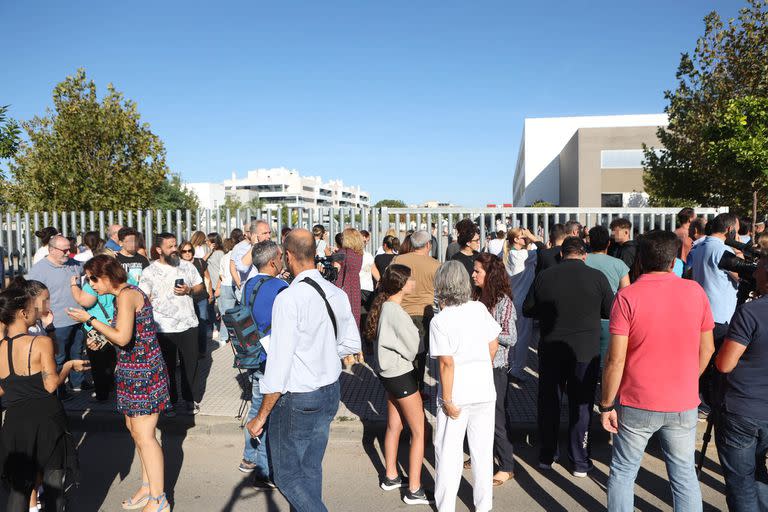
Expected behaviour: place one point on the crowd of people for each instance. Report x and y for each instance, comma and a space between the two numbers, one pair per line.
663, 324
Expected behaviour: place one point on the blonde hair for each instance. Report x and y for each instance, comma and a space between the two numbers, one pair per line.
198, 238
353, 240
511, 235
391, 232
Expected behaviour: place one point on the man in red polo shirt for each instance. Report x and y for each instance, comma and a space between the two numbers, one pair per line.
661, 342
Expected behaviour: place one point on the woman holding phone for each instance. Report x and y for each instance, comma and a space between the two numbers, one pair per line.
141, 378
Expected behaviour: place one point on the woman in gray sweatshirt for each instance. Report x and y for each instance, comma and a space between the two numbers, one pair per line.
397, 346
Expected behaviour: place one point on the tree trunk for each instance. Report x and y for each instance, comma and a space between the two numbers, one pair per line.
754, 213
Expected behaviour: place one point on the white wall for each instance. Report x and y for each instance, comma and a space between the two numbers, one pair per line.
210, 195
544, 139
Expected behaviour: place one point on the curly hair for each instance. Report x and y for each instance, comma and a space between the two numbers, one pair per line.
392, 281
496, 284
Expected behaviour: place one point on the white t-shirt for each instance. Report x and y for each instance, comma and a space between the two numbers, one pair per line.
224, 273
366, 278
41, 253
521, 268
84, 256
173, 313
200, 251
496, 246
464, 332
320, 248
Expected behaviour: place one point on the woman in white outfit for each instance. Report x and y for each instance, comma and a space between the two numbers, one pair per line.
520, 262
464, 340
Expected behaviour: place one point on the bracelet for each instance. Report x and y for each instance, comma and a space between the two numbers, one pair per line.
606, 409
446, 402
88, 322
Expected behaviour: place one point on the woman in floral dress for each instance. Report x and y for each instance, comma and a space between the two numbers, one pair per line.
141, 377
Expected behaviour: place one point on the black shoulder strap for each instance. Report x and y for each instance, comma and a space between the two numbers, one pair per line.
10, 339
29, 356
256, 289
317, 287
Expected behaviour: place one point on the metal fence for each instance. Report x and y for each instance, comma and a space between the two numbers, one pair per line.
18, 242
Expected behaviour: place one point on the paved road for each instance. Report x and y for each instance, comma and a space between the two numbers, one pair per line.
201, 471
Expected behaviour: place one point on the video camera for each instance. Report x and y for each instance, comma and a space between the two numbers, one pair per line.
329, 272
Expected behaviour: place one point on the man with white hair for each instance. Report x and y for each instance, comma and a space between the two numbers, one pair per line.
240, 263
419, 304
113, 241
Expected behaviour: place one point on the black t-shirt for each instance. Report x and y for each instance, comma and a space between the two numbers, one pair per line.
467, 261
747, 390
201, 265
546, 258
382, 261
133, 265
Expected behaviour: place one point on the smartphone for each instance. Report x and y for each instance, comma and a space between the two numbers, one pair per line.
179, 282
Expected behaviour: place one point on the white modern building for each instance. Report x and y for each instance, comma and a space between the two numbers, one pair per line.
589, 161
284, 187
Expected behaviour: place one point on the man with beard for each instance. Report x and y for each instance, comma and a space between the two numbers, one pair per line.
170, 282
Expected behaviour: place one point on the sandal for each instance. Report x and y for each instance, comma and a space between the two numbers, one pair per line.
129, 504
162, 503
497, 482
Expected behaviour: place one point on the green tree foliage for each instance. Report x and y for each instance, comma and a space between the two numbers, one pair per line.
540, 203
390, 203
9, 134
88, 154
715, 143
171, 195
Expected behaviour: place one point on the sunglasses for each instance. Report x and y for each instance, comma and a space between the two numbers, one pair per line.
186, 251
65, 251
92, 279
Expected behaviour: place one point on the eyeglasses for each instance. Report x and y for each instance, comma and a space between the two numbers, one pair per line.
92, 279
65, 251
186, 251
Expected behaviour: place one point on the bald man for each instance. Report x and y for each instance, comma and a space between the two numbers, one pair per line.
312, 328
113, 241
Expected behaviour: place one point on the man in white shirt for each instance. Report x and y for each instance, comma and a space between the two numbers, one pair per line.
174, 313
312, 328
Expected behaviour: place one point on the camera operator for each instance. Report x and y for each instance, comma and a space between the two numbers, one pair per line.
719, 282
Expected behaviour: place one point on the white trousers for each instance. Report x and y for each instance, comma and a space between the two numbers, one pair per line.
477, 422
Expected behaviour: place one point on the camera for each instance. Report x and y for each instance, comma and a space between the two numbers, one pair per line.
329, 272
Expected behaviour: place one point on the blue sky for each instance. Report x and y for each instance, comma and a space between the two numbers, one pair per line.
411, 100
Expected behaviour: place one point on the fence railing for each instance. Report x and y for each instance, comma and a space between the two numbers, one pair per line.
18, 242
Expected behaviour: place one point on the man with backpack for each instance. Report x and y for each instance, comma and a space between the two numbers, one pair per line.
259, 295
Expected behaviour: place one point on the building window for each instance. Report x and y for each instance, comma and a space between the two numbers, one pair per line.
623, 158
612, 200
309, 189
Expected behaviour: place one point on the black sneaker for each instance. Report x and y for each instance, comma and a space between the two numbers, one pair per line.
264, 485
418, 497
390, 484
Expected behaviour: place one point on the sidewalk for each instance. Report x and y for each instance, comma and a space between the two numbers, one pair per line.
362, 396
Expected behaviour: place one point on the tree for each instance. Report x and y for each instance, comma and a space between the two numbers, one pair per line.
390, 203
171, 195
714, 146
540, 203
88, 154
9, 134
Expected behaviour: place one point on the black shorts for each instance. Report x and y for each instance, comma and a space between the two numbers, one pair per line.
401, 386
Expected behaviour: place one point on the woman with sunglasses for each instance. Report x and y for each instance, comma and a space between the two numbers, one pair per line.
203, 300
141, 377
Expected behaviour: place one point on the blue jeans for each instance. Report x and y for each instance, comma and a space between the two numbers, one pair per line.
677, 432
69, 345
226, 302
742, 444
256, 452
298, 435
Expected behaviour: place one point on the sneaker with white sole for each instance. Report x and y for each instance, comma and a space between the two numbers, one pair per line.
246, 467
418, 497
390, 484
580, 474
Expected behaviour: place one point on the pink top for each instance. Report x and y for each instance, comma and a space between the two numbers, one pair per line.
663, 316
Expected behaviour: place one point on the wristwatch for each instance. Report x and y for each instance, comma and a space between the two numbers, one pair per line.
88, 322
605, 409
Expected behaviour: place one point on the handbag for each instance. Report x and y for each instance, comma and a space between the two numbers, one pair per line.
93, 336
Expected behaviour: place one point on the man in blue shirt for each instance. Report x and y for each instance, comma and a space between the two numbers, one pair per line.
113, 242
742, 429
268, 261
705, 263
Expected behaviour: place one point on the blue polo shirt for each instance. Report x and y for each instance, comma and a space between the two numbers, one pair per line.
265, 298
747, 391
718, 285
